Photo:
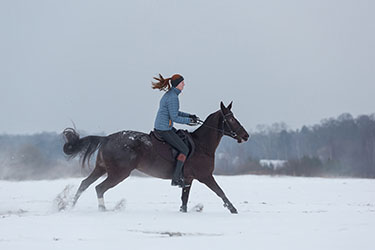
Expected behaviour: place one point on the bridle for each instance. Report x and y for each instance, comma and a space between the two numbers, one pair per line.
232, 133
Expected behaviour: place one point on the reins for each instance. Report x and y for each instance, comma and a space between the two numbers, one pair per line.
231, 133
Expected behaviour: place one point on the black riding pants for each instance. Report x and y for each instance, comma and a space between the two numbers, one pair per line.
174, 140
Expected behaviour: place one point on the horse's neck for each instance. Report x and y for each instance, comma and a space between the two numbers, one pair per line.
207, 136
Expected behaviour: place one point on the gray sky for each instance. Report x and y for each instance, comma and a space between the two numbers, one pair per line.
93, 61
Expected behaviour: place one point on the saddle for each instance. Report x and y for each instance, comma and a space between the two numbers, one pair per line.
166, 151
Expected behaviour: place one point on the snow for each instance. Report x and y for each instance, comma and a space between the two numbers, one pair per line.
135, 135
275, 164
274, 213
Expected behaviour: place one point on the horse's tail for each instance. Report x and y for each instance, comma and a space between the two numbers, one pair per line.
85, 147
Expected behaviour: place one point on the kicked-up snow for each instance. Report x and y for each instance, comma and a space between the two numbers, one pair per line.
274, 213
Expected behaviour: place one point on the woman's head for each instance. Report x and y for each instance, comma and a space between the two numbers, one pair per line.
176, 81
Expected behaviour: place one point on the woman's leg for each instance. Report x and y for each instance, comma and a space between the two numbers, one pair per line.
175, 141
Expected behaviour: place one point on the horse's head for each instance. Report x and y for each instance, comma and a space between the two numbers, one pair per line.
231, 126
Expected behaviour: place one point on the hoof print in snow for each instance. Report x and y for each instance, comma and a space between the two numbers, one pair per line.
120, 206
198, 208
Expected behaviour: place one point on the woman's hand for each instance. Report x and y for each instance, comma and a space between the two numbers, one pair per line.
194, 118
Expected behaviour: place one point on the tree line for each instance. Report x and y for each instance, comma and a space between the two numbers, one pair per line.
342, 146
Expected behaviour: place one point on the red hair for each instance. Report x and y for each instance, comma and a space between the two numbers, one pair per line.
164, 83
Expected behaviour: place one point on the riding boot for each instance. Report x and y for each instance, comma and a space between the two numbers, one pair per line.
178, 176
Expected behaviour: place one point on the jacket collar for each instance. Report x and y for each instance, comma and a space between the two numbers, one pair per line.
177, 91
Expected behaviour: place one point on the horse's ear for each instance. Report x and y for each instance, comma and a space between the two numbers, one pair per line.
230, 105
222, 107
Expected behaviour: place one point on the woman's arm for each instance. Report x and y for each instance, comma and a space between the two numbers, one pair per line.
175, 114
183, 114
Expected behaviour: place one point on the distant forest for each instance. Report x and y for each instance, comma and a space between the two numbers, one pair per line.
344, 146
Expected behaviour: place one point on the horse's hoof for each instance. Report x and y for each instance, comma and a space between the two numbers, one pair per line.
73, 204
231, 208
102, 208
234, 211
183, 209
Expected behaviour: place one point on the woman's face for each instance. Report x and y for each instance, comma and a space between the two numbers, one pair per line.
181, 85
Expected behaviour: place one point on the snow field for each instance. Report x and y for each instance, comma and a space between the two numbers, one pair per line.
274, 213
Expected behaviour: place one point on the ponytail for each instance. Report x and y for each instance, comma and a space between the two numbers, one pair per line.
161, 84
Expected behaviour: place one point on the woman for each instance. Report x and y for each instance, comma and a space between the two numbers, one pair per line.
169, 113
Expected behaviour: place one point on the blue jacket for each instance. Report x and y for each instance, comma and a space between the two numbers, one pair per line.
169, 111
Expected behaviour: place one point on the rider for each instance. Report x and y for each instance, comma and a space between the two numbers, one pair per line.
167, 114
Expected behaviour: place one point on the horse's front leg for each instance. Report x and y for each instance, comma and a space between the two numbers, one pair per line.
185, 195
212, 184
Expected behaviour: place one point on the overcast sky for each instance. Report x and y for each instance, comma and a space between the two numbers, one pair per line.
93, 61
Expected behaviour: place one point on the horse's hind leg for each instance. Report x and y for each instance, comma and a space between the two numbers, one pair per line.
111, 181
96, 174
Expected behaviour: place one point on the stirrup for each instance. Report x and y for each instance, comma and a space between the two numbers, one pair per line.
176, 182
180, 183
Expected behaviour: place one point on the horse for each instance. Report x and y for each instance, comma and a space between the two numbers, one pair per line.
122, 152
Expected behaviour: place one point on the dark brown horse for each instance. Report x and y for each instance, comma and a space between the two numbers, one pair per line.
120, 153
